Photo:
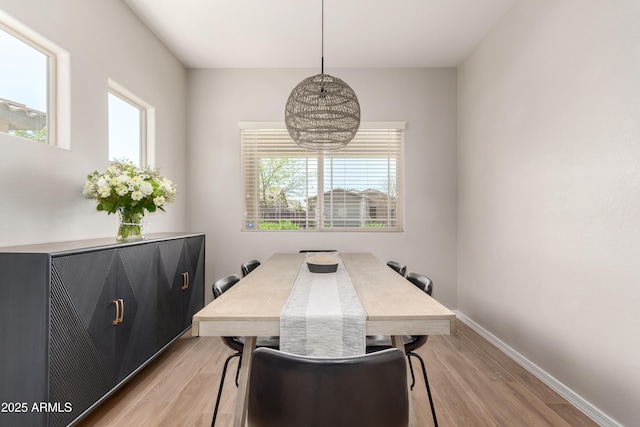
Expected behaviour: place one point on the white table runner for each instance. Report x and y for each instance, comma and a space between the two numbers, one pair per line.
323, 316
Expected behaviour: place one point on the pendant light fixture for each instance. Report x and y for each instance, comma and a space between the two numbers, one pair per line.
322, 112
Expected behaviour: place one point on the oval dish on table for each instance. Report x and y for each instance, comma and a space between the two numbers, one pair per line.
322, 264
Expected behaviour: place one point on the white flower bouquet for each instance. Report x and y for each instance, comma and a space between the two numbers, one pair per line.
131, 191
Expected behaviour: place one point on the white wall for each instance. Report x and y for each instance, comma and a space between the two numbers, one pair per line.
425, 99
549, 193
41, 186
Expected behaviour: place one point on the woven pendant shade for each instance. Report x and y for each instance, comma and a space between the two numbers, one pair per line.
322, 113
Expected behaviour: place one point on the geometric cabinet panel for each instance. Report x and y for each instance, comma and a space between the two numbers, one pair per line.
138, 288
86, 276
77, 372
180, 285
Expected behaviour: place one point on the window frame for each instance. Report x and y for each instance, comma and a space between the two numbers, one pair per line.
147, 122
57, 75
251, 197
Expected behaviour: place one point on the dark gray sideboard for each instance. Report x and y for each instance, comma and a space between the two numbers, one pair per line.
77, 319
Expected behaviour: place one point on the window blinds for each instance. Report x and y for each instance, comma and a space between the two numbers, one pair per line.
357, 188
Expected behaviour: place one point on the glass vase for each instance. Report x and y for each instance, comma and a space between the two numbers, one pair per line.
131, 226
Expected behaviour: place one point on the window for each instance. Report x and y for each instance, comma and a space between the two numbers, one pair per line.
26, 88
128, 122
357, 188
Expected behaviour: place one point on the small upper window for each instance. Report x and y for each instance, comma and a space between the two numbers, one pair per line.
26, 88
128, 123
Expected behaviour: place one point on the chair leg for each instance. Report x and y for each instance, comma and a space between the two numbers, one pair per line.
426, 382
224, 373
238, 370
413, 377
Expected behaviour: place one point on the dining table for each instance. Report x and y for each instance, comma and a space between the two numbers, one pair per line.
393, 307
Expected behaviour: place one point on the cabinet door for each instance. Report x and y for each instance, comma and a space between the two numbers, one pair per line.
170, 283
82, 347
180, 285
193, 295
138, 288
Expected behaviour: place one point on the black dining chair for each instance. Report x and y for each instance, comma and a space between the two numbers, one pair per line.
399, 267
287, 390
411, 342
249, 266
236, 344
421, 281
302, 251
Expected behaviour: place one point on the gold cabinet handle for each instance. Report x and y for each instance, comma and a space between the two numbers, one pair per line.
117, 304
121, 318
185, 281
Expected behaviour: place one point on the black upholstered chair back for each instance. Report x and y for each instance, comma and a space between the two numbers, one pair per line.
399, 267
421, 281
221, 286
287, 390
249, 266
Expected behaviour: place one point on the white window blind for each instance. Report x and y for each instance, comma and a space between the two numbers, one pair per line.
357, 188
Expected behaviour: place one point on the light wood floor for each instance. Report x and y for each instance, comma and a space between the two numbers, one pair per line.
473, 384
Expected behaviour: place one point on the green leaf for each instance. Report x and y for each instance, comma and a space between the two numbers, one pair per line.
108, 205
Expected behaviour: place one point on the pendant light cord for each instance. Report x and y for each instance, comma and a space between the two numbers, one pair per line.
322, 44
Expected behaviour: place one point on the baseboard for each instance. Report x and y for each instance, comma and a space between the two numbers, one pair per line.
576, 400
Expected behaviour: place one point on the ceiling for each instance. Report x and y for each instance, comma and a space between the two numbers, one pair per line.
288, 33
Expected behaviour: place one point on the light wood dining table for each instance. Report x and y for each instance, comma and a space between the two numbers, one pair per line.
393, 305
